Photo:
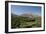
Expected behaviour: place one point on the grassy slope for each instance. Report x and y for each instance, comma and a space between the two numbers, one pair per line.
24, 22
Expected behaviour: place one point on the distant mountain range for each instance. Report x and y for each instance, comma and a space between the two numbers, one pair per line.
30, 15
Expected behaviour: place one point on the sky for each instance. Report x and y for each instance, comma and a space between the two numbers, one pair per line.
18, 9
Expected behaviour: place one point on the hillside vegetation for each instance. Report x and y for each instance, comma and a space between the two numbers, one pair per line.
25, 22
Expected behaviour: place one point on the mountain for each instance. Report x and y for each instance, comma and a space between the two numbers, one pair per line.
30, 15
13, 15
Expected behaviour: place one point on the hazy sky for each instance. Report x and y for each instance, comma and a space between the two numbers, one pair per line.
18, 9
